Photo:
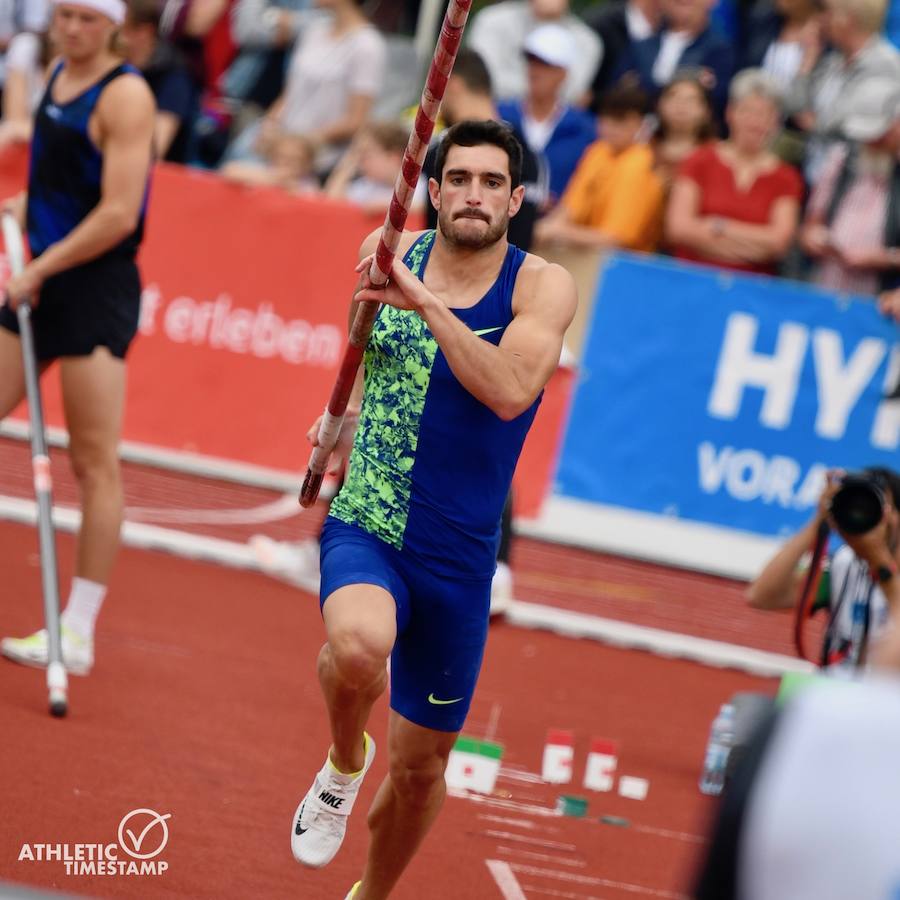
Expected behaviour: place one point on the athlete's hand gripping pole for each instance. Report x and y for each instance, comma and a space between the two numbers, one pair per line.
57, 682
404, 188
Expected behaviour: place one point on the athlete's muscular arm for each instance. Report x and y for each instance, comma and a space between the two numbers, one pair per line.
505, 378
125, 119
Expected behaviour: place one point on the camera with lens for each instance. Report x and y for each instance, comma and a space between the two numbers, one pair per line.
858, 505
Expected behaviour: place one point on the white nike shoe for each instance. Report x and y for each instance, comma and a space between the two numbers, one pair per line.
501, 590
294, 562
77, 651
320, 821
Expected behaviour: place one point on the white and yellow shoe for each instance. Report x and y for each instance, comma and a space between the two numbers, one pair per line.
77, 651
320, 822
353, 891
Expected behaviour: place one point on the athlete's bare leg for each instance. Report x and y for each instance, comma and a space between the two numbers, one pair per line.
406, 804
361, 624
93, 389
12, 373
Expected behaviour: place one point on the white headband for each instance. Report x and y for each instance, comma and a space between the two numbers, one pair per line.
112, 9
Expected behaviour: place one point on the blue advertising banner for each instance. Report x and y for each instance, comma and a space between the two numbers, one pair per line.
723, 399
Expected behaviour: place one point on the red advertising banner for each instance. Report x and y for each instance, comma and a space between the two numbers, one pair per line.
243, 323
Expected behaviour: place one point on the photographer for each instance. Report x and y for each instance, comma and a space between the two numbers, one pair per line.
861, 587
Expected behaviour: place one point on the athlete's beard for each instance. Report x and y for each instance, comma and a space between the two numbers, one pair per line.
459, 238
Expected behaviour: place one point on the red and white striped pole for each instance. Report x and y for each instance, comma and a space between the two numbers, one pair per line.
432, 94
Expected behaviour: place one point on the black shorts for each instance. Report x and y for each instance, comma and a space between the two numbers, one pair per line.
97, 304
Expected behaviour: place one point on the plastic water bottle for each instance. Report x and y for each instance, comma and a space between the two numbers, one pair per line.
721, 740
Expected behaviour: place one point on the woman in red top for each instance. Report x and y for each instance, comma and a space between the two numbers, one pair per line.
734, 204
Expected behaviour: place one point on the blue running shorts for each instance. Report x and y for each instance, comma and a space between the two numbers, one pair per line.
442, 623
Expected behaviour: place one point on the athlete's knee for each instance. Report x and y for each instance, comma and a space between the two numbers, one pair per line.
417, 775
359, 655
94, 464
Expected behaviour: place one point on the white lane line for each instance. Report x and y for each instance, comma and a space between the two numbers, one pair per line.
542, 857
567, 895
493, 721
181, 461
674, 835
524, 615
717, 654
285, 507
518, 823
497, 803
514, 774
574, 878
145, 537
524, 839
506, 881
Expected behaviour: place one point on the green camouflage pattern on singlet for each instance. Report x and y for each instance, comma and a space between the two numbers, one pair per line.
398, 364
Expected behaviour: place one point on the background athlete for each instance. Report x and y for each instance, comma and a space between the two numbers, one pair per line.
84, 213
469, 334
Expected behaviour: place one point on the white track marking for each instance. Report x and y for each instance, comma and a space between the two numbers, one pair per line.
145, 537
513, 774
568, 895
662, 539
497, 803
575, 878
664, 643
505, 879
176, 460
526, 615
517, 823
674, 835
524, 839
542, 857
687, 545
493, 721
285, 507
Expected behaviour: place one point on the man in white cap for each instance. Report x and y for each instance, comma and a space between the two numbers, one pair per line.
552, 127
498, 34
84, 213
852, 227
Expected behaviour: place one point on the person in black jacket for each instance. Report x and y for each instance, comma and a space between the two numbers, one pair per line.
620, 24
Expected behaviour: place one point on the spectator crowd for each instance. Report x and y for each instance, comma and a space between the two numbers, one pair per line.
755, 135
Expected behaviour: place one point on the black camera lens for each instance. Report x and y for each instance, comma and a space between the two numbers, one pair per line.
858, 505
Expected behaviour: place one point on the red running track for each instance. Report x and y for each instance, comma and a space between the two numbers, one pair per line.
203, 704
578, 580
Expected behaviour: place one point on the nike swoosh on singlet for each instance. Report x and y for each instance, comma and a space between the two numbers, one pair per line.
436, 702
482, 331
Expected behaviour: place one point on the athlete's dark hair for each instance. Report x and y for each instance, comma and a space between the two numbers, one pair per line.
471, 70
474, 133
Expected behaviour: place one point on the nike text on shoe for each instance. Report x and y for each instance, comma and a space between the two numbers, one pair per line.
320, 822
77, 651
